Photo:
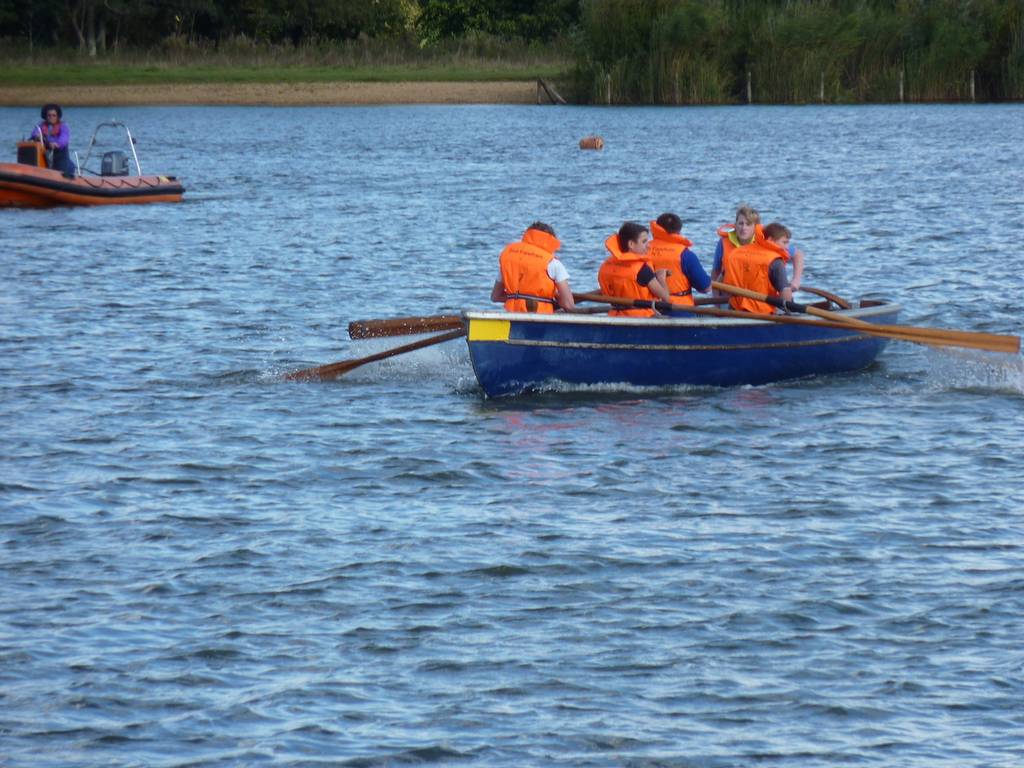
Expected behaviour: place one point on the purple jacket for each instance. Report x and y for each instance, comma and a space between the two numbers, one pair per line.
60, 141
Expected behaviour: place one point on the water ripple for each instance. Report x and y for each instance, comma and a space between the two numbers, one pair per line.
205, 565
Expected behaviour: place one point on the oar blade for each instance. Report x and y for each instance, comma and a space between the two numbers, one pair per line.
334, 370
1009, 344
324, 372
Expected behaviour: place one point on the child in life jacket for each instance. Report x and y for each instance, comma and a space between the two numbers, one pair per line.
531, 277
760, 266
627, 273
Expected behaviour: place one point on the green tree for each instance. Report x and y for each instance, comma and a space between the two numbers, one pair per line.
541, 20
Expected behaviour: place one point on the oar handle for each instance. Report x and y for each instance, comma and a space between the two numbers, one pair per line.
662, 306
790, 306
618, 301
775, 301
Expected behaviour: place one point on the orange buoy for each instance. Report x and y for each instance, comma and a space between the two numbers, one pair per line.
591, 142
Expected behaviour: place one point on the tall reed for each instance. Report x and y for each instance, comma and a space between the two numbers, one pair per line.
799, 51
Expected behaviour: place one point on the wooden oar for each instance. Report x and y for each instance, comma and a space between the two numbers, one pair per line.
933, 336
408, 326
901, 333
986, 341
334, 370
937, 336
402, 326
792, 306
699, 301
839, 301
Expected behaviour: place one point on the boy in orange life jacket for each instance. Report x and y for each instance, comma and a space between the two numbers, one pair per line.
760, 266
743, 232
532, 279
669, 250
628, 273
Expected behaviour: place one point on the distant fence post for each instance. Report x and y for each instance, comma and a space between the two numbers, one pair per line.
554, 96
750, 91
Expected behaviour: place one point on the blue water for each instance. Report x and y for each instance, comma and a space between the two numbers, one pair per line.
204, 565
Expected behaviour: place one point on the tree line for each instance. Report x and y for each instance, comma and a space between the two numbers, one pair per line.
618, 51
98, 26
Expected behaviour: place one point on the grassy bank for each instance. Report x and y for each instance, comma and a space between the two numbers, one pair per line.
239, 60
93, 74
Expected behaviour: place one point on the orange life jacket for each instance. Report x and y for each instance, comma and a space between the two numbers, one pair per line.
617, 277
729, 240
664, 251
747, 266
524, 273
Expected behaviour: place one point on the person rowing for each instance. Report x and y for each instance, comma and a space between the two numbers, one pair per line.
531, 277
745, 229
760, 266
669, 250
628, 273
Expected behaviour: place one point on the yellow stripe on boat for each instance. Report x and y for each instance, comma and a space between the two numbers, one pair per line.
489, 330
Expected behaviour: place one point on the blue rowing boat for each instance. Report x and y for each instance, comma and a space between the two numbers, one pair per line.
516, 352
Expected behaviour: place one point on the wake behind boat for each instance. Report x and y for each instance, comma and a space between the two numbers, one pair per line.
31, 183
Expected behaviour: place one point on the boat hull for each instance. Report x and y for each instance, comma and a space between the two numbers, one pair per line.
25, 186
515, 352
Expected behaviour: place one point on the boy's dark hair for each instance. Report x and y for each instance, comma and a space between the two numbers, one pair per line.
630, 230
775, 230
670, 223
542, 227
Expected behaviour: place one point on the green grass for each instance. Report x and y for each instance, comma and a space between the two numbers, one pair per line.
100, 74
103, 74
237, 60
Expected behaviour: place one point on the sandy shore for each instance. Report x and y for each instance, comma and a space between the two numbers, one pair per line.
283, 94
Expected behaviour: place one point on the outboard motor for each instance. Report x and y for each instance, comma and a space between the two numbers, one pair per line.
114, 164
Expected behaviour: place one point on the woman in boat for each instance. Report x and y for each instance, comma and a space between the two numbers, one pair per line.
744, 230
531, 277
628, 273
760, 266
669, 250
54, 134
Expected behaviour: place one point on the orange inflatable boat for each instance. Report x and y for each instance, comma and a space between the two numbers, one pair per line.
30, 183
